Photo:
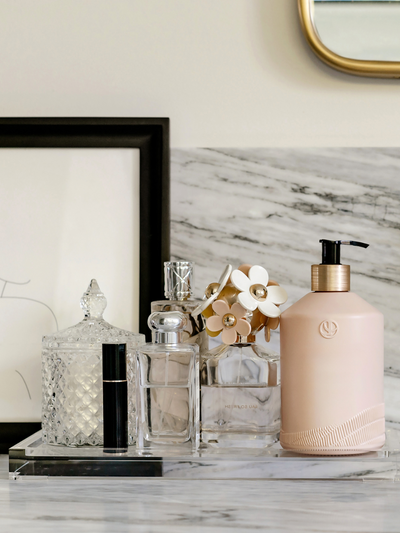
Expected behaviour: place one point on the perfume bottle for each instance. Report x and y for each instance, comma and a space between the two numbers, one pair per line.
240, 395
72, 388
332, 365
178, 283
167, 385
240, 380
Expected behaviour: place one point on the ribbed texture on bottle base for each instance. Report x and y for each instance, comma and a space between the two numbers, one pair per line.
351, 436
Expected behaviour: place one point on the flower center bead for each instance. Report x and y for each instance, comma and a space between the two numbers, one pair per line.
229, 320
259, 292
211, 290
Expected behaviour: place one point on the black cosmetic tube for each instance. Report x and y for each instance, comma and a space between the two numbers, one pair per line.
115, 399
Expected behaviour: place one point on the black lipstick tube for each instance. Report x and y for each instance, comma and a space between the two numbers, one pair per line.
115, 398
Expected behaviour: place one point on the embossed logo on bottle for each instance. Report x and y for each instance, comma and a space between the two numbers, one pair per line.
328, 329
241, 406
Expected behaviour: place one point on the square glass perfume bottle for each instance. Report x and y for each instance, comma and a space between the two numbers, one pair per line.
240, 380
167, 385
240, 395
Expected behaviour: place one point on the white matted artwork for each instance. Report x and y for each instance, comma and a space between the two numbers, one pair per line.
67, 215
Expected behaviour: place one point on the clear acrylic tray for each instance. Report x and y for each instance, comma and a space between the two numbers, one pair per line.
32, 457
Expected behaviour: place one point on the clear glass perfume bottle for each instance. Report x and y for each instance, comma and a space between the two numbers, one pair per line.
178, 280
167, 385
72, 389
240, 395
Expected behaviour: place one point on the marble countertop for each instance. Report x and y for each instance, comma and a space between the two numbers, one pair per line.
160, 505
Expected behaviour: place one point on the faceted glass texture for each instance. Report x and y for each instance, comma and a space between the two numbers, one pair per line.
72, 385
167, 394
240, 396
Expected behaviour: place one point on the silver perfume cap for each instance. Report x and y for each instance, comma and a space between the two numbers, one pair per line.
178, 279
167, 327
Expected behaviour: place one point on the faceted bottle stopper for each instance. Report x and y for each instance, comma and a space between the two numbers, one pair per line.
178, 279
93, 301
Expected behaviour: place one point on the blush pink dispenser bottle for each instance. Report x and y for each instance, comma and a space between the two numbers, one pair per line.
332, 365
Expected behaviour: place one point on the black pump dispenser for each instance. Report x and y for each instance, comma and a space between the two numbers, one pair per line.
331, 250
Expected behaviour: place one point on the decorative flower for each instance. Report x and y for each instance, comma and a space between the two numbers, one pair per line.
229, 320
255, 292
272, 323
213, 291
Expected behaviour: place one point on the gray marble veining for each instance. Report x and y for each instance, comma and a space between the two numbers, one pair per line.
271, 206
34, 458
136, 505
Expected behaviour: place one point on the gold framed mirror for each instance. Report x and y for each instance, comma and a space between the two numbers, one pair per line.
359, 37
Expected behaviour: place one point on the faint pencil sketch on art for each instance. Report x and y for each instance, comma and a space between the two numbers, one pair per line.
6, 283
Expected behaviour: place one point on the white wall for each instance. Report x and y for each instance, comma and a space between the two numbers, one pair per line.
227, 72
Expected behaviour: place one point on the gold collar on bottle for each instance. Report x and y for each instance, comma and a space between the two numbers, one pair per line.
330, 278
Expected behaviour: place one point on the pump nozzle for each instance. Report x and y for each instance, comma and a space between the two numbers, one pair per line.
331, 250
331, 275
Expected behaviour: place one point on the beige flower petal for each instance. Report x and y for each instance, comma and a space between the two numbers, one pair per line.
237, 310
267, 333
229, 336
243, 327
213, 333
214, 323
273, 323
245, 268
221, 307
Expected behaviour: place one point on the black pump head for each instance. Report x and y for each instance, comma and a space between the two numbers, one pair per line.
331, 250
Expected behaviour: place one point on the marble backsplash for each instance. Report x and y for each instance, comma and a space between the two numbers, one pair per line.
271, 206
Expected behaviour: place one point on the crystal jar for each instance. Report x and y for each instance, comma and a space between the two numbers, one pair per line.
72, 391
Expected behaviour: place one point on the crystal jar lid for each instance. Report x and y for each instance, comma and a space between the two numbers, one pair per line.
93, 330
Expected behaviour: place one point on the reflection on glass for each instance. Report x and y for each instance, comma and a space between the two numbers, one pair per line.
360, 29
240, 396
167, 391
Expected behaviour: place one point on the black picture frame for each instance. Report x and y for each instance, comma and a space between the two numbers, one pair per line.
151, 137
